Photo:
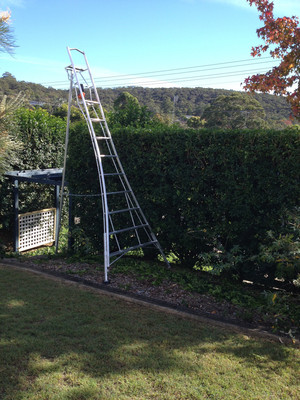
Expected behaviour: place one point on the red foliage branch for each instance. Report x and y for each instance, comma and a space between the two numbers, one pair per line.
284, 33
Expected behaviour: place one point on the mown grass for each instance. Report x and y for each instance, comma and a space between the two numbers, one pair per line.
61, 342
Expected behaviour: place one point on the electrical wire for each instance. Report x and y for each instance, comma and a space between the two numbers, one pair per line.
182, 72
188, 79
169, 72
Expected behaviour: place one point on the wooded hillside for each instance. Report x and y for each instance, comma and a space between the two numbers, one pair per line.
174, 102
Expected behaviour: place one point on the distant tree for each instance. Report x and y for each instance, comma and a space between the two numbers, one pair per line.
62, 112
283, 34
236, 111
196, 122
192, 101
127, 111
167, 106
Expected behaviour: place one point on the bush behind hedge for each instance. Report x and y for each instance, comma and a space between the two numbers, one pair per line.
203, 192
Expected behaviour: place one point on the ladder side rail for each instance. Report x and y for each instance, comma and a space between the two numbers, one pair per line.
121, 169
110, 152
152, 235
100, 169
95, 147
128, 200
115, 236
96, 92
114, 151
97, 158
146, 229
126, 185
90, 126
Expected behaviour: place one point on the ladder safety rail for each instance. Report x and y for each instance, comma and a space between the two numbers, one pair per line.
113, 181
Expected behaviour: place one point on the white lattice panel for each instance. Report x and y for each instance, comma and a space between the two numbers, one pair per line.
36, 228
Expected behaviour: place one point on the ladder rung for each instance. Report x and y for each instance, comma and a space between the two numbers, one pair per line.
108, 156
123, 210
138, 246
91, 101
119, 192
131, 228
102, 138
97, 120
114, 174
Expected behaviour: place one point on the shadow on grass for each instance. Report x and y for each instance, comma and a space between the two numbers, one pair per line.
76, 343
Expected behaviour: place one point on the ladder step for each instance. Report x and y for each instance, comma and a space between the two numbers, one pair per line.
97, 120
119, 192
131, 228
102, 138
108, 156
91, 101
138, 246
123, 210
114, 174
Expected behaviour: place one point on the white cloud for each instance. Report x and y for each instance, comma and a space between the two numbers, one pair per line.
33, 61
11, 3
237, 3
281, 7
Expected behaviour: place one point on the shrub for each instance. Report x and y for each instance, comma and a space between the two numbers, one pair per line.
281, 250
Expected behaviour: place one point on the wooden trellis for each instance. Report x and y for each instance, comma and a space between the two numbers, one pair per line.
37, 228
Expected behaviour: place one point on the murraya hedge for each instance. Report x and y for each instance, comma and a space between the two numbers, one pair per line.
212, 197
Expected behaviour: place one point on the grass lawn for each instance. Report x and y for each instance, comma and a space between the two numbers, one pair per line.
61, 342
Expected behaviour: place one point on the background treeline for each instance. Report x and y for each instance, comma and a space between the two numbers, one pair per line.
173, 103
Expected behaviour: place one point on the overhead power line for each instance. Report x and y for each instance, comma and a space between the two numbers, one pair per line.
173, 71
179, 73
192, 78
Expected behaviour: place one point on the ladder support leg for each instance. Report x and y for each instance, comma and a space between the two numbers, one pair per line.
64, 167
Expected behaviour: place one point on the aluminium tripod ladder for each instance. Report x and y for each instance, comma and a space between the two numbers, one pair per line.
125, 227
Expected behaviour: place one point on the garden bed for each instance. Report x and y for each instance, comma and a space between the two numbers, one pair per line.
279, 315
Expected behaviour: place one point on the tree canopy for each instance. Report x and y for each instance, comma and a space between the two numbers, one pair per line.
127, 111
191, 101
236, 111
282, 38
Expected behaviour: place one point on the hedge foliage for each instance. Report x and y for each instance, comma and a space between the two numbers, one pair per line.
210, 196
42, 137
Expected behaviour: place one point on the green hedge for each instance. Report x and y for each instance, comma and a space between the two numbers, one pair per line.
210, 196
42, 136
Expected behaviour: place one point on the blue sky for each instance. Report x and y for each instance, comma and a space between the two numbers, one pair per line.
204, 43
